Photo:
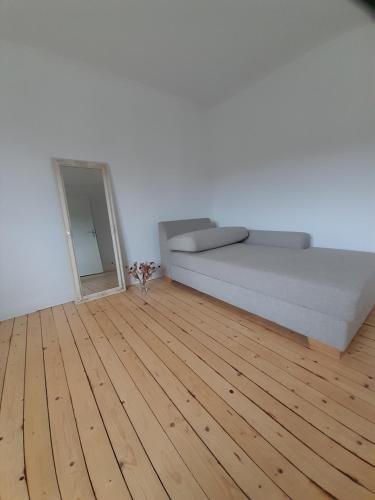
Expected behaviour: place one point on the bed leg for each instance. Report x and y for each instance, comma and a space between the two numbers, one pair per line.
167, 279
318, 346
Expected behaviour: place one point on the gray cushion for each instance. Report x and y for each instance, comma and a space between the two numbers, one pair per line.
206, 239
339, 283
168, 229
286, 239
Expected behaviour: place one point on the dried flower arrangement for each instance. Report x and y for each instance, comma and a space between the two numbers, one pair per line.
142, 272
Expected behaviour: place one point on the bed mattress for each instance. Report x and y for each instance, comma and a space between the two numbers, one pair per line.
338, 283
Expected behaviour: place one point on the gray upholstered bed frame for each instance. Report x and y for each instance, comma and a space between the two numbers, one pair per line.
325, 332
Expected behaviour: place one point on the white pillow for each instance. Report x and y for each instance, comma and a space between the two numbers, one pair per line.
206, 239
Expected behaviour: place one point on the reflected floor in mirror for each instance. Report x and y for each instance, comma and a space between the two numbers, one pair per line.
95, 283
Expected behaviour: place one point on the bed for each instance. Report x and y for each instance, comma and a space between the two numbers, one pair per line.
324, 294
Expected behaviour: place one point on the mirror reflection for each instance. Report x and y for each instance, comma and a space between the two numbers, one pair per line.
90, 229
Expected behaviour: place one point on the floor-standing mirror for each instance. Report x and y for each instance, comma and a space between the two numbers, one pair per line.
91, 228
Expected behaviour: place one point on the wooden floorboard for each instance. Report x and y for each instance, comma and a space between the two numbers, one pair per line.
40, 468
311, 360
211, 476
368, 331
174, 394
326, 448
264, 422
95, 283
103, 467
134, 464
73, 478
247, 474
5, 335
315, 369
13, 485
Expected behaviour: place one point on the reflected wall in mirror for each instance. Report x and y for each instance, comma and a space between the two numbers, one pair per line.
90, 227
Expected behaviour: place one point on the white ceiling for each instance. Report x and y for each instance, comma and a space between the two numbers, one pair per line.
203, 50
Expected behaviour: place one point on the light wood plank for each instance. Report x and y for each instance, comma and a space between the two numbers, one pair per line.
267, 458
336, 371
98, 282
269, 330
365, 342
368, 331
326, 448
134, 463
364, 357
12, 459
5, 335
316, 345
213, 479
72, 474
371, 319
176, 477
311, 464
349, 409
102, 465
269, 362
40, 468
360, 343
358, 398
176, 394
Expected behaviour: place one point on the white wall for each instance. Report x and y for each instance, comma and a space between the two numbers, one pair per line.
296, 151
57, 108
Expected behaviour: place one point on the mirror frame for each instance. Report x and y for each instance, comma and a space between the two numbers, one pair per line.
58, 164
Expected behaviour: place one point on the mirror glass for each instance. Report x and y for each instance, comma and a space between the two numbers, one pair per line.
90, 229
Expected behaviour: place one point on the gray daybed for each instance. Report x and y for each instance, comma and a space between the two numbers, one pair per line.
324, 294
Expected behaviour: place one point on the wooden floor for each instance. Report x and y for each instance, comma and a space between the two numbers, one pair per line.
95, 283
176, 395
